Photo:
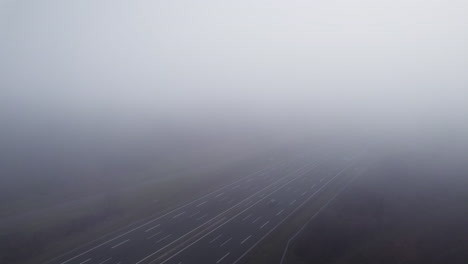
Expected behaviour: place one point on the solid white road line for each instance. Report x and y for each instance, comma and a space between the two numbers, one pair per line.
201, 217
121, 243
105, 261
223, 257
291, 203
311, 187
265, 224
313, 217
164, 238
303, 193
149, 229
297, 208
177, 215
257, 202
256, 219
300, 170
245, 218
190, 216
280, 212
85, 261
154, 235
150, 221
248, 203
200, 204
219, 195
245, 239
214, 239
225, 242
237, 186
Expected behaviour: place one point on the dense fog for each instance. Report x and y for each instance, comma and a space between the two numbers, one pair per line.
93, 84
101, 96
123, 67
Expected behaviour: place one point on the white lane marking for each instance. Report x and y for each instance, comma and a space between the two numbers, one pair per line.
245, 239
164, 238
150, 221
280, 212
322, 179
258, 218
224, 198
311, 187
121, 243
225, 242
248, 203
291, 203
237, 186
223, 257
149, 229
219, 195
300, 170
85, 261
245, 218
265, 224
200, 204
232, 200
214, 239
297, 208
313, 217
105, 261
154, 235
201, 217
190, 216
177, 215
303, 193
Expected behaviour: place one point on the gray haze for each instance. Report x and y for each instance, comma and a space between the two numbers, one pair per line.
114, 111
81, 74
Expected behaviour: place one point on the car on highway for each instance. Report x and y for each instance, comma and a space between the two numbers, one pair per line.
272, 202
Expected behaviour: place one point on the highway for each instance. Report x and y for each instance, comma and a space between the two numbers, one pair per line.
221, 226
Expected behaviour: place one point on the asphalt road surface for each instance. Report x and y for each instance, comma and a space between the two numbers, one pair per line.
221, 226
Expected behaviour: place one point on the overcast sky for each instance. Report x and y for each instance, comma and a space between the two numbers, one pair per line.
134, 62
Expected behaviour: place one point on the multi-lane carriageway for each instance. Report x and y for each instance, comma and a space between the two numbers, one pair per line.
221, 226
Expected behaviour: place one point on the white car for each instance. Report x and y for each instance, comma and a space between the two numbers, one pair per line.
273, 202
